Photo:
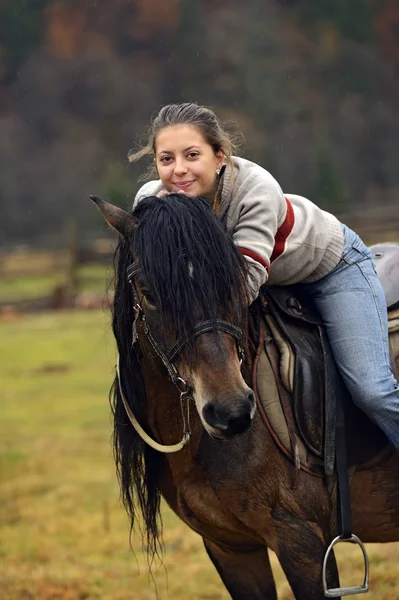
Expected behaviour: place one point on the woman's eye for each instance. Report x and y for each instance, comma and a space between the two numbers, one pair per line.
193, 154
166, 159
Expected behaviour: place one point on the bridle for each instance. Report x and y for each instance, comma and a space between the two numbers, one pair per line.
168, 359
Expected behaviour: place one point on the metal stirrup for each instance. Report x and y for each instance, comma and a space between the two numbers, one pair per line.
351, 590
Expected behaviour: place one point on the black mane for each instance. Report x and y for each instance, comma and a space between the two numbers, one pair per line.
188, 262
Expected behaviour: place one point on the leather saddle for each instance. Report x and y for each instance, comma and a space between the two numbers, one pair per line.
297, 383
386, 259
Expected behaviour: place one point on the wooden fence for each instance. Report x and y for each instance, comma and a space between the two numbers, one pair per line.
377, 224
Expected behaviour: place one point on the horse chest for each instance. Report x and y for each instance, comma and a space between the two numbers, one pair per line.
206, 514
212, 492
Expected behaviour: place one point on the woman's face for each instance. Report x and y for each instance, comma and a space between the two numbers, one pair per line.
185, 161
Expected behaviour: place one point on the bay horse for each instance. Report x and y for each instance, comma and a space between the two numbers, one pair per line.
180, 321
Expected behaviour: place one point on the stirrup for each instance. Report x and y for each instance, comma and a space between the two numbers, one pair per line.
351, 590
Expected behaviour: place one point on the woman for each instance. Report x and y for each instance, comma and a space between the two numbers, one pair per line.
285, 239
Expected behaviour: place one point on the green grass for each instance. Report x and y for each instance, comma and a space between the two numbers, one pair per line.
63, 532
15, 287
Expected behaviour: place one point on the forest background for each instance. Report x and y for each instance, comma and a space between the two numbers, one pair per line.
312, 86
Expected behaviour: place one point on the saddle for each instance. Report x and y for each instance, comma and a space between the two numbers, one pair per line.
297, 383
386, 259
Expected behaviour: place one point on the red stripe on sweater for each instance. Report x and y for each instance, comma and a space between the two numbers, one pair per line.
255, 256
283, 232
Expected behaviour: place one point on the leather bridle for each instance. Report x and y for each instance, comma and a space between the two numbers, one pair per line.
168, 359
170, 355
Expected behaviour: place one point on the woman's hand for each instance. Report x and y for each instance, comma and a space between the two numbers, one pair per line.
162, 193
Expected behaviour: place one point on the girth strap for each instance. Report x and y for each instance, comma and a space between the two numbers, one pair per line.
344, 512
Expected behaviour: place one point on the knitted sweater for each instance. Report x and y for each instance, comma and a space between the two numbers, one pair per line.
285, 238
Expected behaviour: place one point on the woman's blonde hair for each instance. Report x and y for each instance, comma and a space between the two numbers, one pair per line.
187, 113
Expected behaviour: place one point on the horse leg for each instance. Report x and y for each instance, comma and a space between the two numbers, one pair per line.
245, 573
301, 547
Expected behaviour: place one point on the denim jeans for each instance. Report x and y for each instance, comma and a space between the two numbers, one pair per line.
352, 304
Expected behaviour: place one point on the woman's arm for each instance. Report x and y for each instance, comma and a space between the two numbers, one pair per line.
259, 212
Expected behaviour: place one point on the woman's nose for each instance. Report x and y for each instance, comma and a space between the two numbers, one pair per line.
180, 167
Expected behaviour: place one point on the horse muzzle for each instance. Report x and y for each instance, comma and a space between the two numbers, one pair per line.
229, 418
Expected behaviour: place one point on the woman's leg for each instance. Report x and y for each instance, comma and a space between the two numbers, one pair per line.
352, 305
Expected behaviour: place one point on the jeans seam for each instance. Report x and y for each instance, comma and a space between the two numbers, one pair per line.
386, 350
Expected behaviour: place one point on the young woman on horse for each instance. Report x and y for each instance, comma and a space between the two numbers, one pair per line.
286, 239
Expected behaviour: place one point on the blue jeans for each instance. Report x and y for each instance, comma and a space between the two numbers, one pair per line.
352, 305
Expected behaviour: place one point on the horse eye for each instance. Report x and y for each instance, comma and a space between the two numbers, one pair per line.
149, 298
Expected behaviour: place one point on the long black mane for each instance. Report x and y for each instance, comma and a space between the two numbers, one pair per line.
191, 267
194, 272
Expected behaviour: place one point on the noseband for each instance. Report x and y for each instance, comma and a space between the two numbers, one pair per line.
168, 359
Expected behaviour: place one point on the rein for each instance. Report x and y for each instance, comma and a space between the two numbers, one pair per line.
167, 359
144, 436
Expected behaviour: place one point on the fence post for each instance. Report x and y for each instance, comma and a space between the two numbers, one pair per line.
72, 280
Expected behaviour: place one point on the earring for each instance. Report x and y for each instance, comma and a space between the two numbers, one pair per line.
217, 171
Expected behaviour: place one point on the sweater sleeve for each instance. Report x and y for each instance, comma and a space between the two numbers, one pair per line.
151, 188
260, 209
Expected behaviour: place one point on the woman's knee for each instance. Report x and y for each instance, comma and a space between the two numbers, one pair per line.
374, 397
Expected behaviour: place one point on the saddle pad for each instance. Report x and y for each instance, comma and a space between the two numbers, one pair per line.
393, 320
393, 327
269, 406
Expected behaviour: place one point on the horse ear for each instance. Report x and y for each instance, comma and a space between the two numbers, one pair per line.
116, 217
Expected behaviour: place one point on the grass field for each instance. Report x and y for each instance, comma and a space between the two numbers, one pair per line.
15, 287
63, 532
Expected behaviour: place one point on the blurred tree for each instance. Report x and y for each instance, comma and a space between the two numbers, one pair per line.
21, 31
115, 186
148, 13
65, 30
330, 190
388, 28
353, 19
84, 78
188, 78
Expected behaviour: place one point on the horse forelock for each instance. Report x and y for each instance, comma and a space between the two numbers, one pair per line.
188, 262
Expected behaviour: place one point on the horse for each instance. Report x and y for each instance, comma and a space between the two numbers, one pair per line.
183, 332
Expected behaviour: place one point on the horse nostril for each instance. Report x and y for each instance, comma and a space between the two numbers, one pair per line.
213, 418
252, 403
230, 418
251, 398
239, 424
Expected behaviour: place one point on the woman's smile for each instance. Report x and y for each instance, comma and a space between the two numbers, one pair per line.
183, 185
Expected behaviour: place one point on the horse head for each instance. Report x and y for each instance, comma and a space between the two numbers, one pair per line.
186, 287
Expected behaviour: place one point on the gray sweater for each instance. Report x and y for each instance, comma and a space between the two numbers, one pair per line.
285, 238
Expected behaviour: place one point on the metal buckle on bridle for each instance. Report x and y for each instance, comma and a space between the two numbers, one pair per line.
137, 310
240, 352
185, 398
181, 384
